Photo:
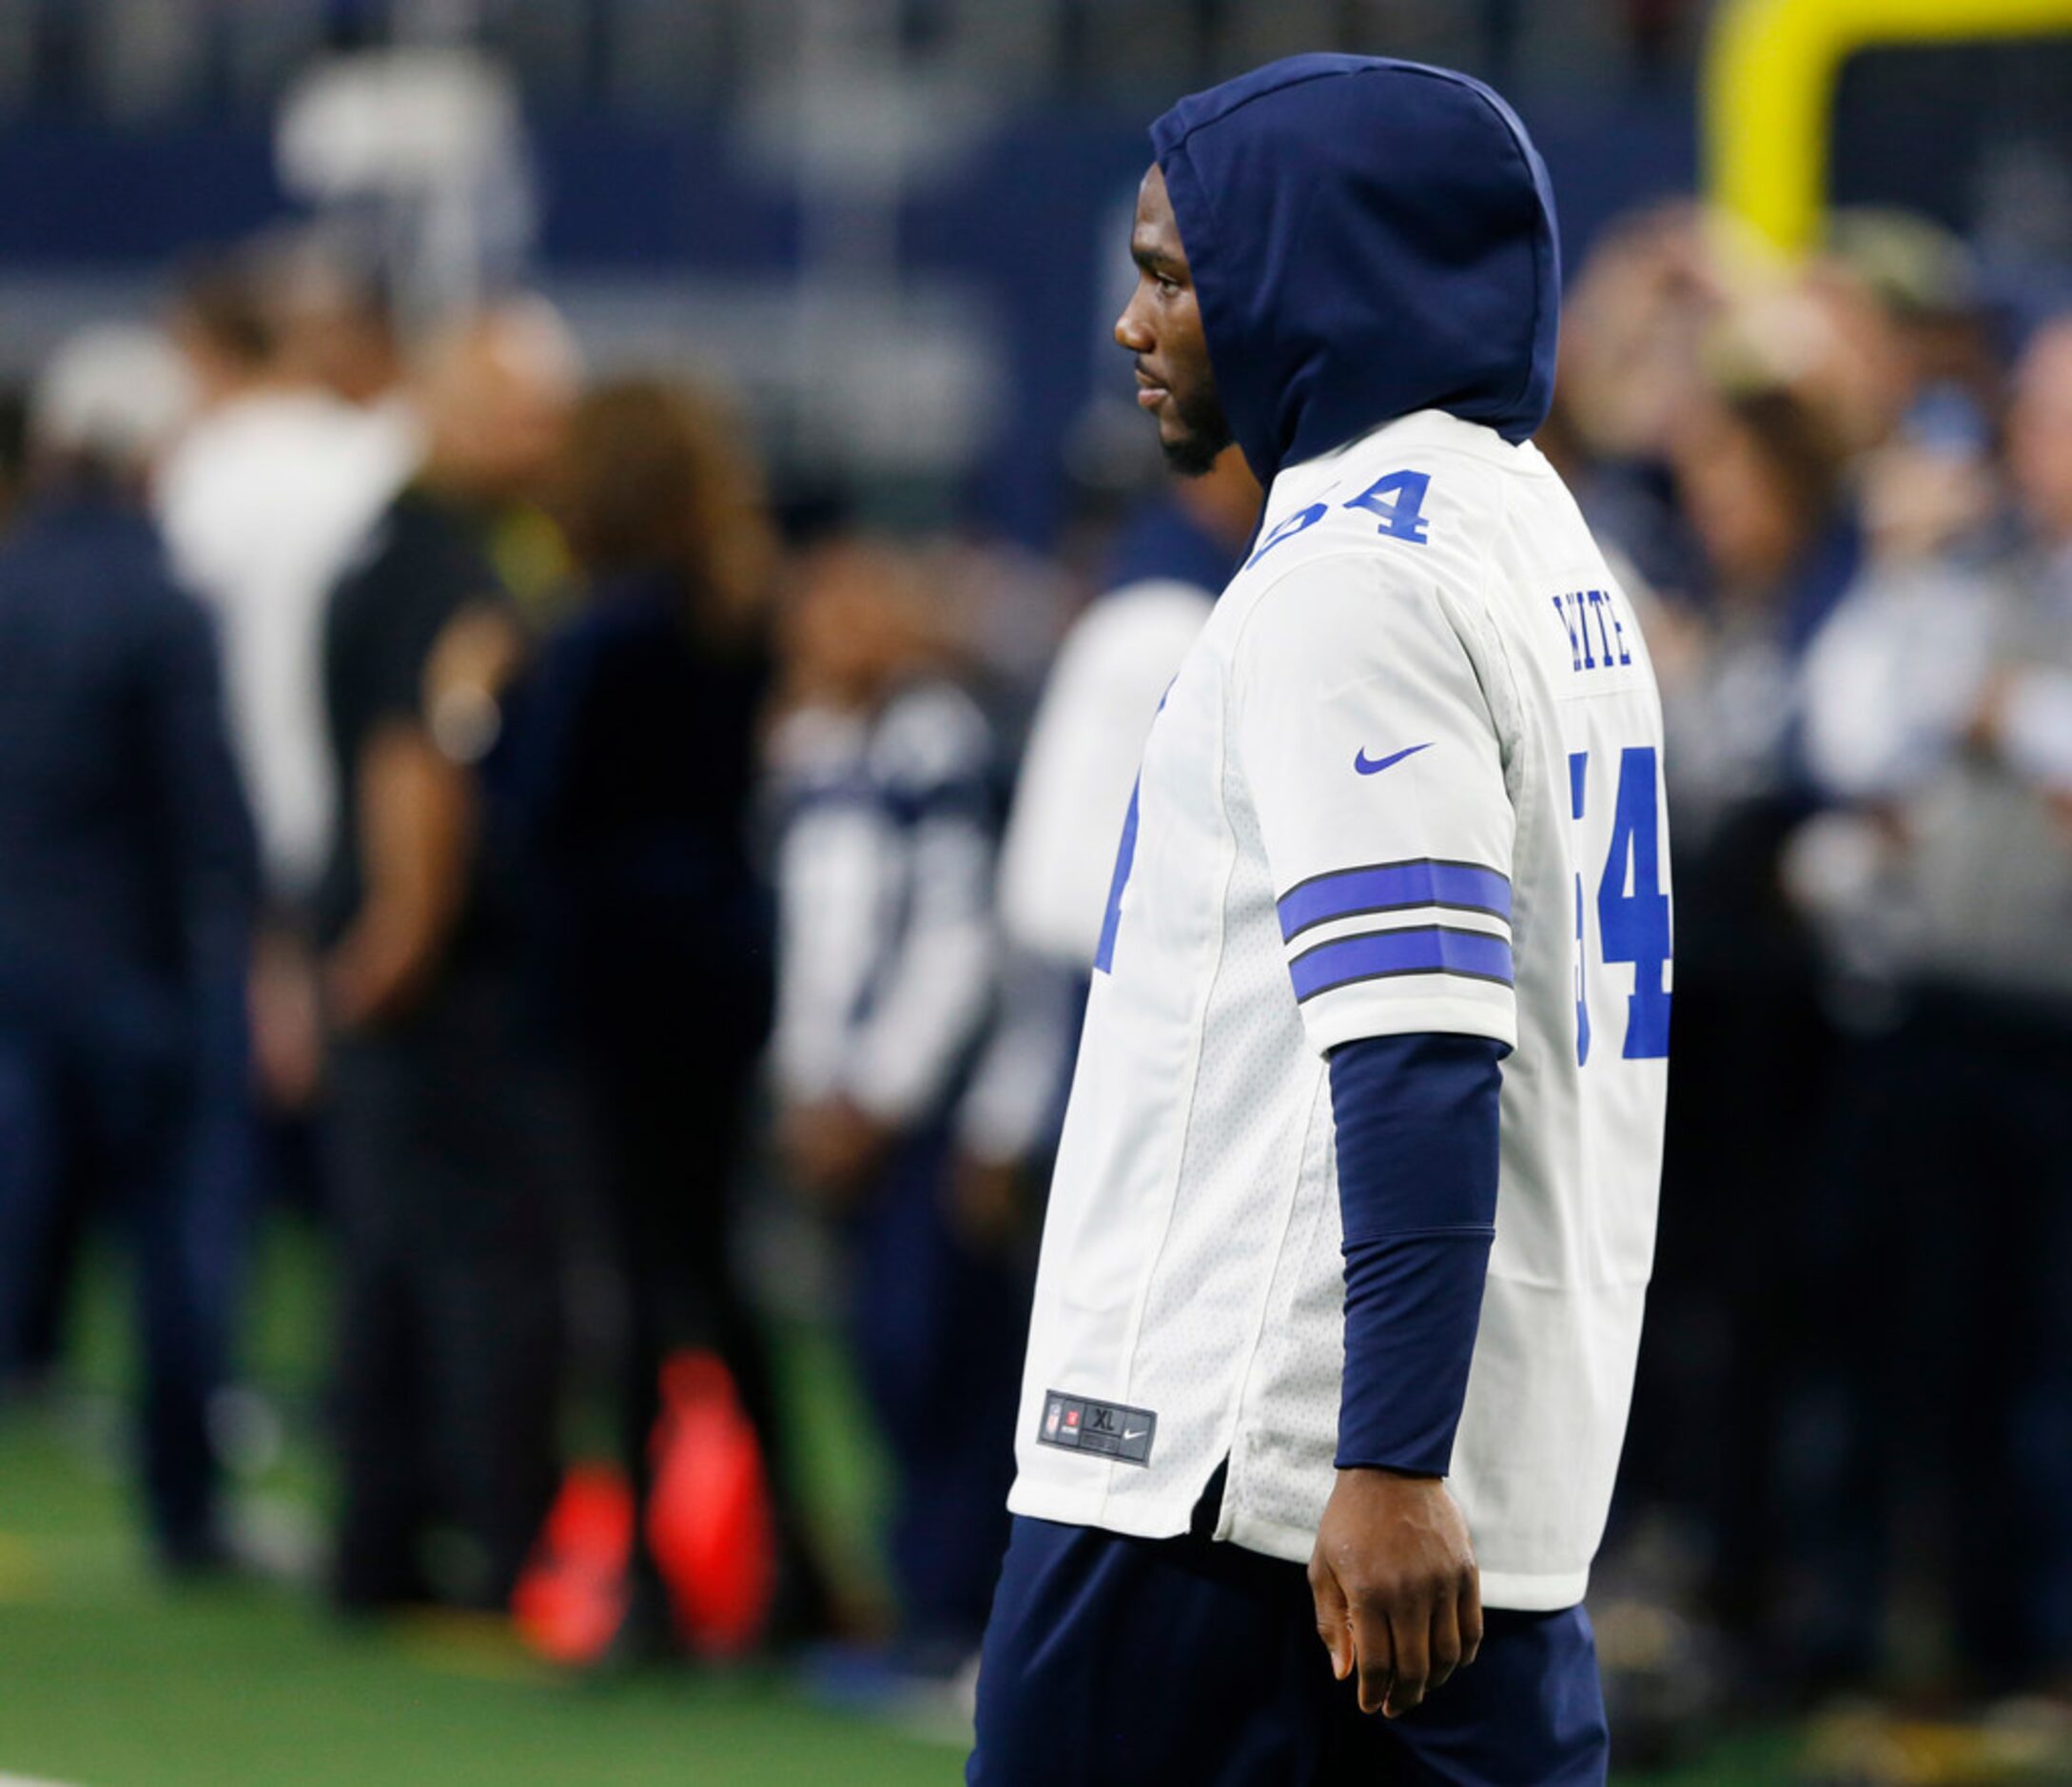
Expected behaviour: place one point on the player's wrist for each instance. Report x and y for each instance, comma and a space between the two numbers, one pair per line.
1394, 1473
1382, 1485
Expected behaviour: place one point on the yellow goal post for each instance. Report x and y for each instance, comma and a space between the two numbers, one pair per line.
1768, 87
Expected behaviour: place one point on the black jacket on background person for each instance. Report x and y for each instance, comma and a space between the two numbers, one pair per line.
128, 867
447, 1143
631, 776
426, 564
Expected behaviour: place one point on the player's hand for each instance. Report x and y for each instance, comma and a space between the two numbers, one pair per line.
1399, 1596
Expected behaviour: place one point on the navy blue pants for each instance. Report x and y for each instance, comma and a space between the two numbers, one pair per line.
937, 1327
79, 1138
1132, 1662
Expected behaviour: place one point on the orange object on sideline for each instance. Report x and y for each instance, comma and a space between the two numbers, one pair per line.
709, 1527
572, 1595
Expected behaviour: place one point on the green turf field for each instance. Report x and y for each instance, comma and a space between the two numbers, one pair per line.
109, 1680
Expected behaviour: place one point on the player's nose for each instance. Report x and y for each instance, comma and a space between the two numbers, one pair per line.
1131, 332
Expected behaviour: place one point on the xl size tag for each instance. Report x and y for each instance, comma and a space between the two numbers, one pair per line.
1105, 1429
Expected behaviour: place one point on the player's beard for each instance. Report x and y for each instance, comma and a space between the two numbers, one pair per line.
1205, 431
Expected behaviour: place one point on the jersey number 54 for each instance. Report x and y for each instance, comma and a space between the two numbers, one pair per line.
1632, 911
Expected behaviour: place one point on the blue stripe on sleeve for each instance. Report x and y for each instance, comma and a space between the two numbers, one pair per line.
1383, 954
1389, 887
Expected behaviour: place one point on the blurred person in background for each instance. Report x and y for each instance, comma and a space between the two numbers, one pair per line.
1759, 475
447, 1140
126, 892
882, 781
39, 1327
1950, 372
1633, 325
634, 766
263, 500
1939, 707
1165, 570
277, 482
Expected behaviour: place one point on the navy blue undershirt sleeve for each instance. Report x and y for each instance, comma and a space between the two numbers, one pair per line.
1417, 1156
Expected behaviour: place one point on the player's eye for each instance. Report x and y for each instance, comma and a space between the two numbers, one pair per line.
1167, 285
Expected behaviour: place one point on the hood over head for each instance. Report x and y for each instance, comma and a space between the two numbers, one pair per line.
1368, 238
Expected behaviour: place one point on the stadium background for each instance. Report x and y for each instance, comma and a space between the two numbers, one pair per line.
891, 228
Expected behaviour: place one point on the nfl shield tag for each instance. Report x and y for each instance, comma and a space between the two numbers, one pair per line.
1110, 1430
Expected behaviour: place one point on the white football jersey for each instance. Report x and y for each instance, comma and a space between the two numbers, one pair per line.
1407, 780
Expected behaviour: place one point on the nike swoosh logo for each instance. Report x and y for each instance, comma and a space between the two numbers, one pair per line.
1374, 766
1138, 1435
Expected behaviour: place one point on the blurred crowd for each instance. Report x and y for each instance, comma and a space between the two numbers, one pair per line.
445, 793
1844, 492
457, 796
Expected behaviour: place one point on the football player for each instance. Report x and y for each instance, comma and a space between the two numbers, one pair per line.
1352, 1214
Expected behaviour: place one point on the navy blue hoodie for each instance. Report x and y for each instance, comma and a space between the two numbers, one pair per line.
1368, 238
